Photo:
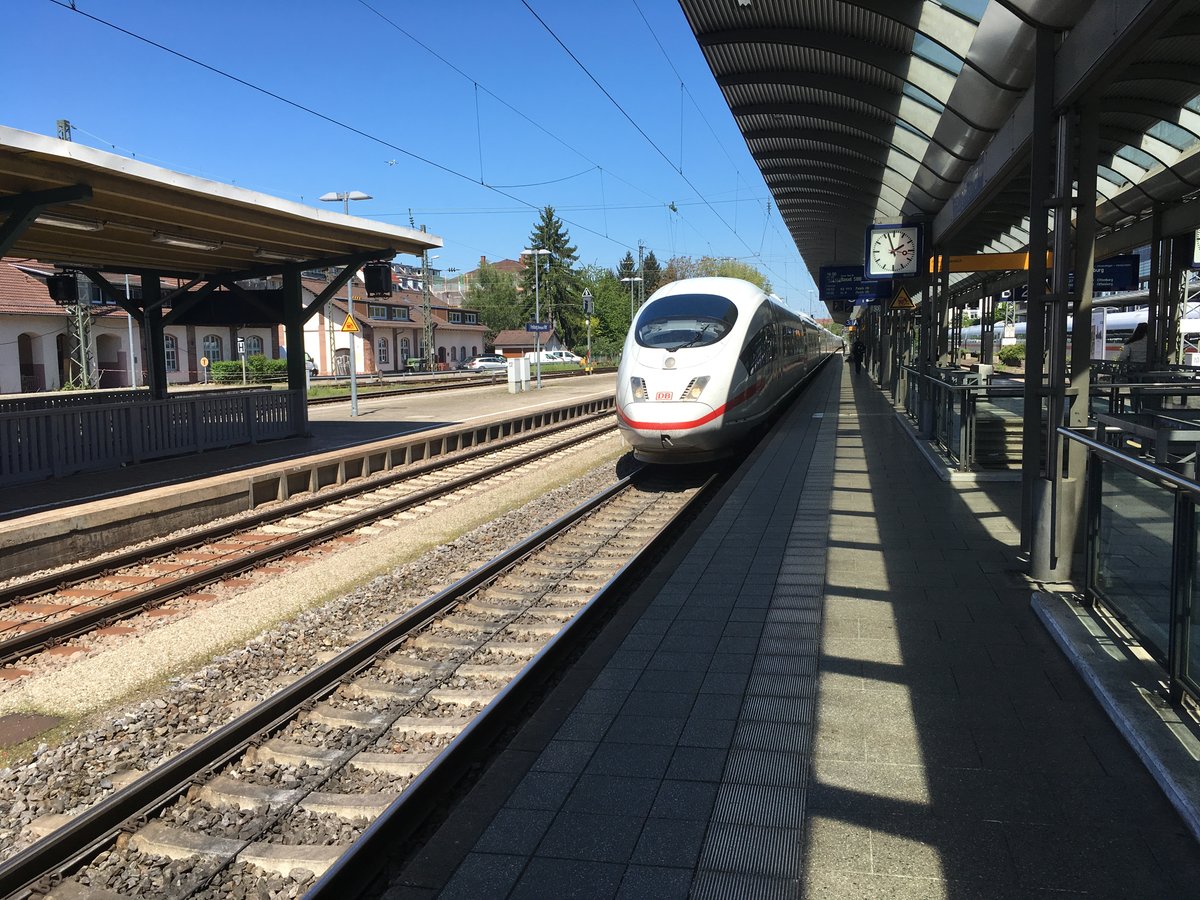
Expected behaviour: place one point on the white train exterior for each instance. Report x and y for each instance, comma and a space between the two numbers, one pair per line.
1110, 331
707, 360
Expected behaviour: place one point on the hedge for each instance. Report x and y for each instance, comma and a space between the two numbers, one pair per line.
259, 370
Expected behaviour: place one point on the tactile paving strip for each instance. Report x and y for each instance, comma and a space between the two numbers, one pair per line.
753, 849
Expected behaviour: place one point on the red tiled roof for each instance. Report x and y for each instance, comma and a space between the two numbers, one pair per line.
515, 337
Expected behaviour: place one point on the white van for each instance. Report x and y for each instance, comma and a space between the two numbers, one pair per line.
555, 356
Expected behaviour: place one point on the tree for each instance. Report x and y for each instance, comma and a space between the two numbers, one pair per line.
557, 284
610, 323
652, 273
627, 268
494, 295
714, 267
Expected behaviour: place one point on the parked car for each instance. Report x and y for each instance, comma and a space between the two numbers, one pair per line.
485, 364
556, 356
311, 365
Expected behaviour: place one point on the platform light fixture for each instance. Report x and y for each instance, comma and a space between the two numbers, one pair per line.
180, 240
537, 306
69, 222
260, 253
345, 197
631, 281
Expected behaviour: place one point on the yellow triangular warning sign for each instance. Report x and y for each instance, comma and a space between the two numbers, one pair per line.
351, 326
902, 300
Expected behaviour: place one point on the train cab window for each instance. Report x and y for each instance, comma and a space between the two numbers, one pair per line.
685, 320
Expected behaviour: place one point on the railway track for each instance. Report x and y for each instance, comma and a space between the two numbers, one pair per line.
276, 797
41, 612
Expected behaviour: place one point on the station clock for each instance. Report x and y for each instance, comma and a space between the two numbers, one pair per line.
893, 251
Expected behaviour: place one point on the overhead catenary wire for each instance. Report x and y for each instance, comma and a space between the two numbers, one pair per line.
433, 163
320, 115
634, 123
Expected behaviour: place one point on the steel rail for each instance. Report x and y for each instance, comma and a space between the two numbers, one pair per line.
357, 869
32, 587
69, 845
30, 641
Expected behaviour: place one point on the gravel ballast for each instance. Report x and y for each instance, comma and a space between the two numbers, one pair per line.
199, 671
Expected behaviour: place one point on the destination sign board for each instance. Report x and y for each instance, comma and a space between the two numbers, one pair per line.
848, 283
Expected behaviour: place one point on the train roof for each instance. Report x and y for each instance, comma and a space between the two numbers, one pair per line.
735, 289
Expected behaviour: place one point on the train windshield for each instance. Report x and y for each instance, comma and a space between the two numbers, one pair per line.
685, 320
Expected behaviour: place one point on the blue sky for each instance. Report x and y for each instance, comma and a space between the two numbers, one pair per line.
505, 104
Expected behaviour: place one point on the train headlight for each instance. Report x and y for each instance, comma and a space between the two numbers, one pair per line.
639, 387
696, 388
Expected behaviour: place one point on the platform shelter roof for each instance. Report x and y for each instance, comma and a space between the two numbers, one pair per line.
76, 206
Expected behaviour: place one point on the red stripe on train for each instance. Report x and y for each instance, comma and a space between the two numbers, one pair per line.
694, 423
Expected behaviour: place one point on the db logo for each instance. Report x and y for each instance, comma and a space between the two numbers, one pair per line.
664, 395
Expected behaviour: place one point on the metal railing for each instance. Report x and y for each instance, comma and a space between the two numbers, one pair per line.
970, 419
74, 399
45, 443
1141, 555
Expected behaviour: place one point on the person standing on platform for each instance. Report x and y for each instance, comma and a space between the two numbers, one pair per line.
858, 351
1134, 353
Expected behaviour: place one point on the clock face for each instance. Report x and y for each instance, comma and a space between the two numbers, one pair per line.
892, 251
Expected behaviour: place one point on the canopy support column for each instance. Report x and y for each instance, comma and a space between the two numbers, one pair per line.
1035, 327
1081, 333
156, 354
297, 367
926, 352
1050, 559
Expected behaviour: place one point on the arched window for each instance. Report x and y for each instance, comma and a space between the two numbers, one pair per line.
404, 353
453, 354
474, 350
462, 352
171, 352
212, 347
254, 345
382, 356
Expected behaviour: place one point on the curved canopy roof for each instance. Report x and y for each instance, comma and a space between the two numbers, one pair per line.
916, 110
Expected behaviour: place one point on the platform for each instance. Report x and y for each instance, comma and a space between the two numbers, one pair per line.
331, 427
835, 688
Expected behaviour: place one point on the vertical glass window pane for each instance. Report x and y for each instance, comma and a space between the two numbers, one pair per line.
212, 347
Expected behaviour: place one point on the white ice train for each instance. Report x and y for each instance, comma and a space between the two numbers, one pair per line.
707, 360
1117, 328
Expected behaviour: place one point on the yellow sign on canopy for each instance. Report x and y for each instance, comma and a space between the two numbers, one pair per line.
988, 262
902, 300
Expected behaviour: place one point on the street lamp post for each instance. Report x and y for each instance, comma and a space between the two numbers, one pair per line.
631, 280
537, 309
346, 197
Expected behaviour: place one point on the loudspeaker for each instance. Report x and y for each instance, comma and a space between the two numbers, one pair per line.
378, 278
64, 289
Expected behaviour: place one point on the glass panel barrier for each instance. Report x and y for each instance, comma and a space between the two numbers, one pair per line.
954, 401
1133, 575
1191, 662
